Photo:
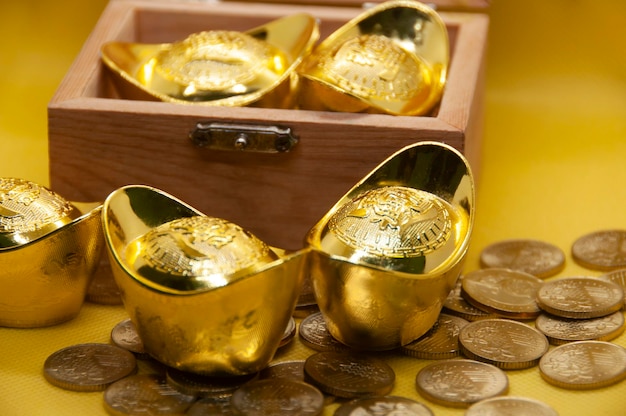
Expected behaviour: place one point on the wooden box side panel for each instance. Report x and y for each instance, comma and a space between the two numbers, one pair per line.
277, 196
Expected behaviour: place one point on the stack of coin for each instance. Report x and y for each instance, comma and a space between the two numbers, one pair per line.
580, 297
503, 292
456, 305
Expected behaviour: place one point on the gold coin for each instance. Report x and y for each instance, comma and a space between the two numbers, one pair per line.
293, 370
584, 365
506, 293
456, 305
562, 330
619, 277
88, 367
539, 258
205, 386
510, 406
208, 406
580, 297
124, 335
349, 375
103, 289
383, 406
289, 334
601, 250
145, 394
315, 335
460, 383
440, 342
278, 396
507, 344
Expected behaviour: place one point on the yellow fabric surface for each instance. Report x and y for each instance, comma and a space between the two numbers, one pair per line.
554, 166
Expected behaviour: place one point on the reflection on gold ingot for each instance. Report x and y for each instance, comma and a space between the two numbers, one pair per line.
217, 67
205, 295
391, 59
49, 250
385, 257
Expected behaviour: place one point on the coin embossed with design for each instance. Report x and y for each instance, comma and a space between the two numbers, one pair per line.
601, 250
539, 258
125, 335
510, 406
383, 406
507, 293
460, 383
314, 334
145, 394
617, 276
276, 397
580, 297
562, 330
584, 365
440, 342
349, 375
208, 406
393, 221
507, 344
88, 367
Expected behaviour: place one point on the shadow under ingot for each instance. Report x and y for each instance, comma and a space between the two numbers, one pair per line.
218, 67
385, 257
206, 296
391, 59
49, 250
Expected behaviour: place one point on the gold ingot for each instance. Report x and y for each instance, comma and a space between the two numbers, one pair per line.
219, 67
49, 250
391, 59
385, 257
205, 295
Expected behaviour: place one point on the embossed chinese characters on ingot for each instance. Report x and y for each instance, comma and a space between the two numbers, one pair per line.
205, 295
49, 250
217, 67
385, 257
391, 59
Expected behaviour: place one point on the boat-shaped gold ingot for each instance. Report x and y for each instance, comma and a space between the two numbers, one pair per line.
206, 295
218, 67
391, 59
49, 250
387, 254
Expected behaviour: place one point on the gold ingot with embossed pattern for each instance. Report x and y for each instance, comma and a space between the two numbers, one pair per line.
385, 257
49, 250
205, 295
217, 67
391, 59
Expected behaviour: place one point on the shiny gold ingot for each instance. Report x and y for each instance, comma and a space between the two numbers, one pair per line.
391, 59
49, 250
205, 295
387, 254
218, 67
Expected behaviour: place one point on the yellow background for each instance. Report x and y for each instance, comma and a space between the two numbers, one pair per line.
554, 165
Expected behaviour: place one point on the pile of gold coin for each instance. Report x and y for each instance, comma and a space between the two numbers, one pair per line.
503, 317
